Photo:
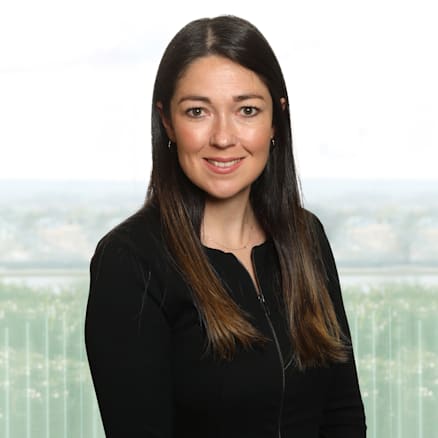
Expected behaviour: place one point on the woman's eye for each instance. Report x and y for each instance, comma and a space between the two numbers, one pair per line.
195, 112
249, 111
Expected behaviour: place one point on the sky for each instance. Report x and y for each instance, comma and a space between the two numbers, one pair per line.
76, 81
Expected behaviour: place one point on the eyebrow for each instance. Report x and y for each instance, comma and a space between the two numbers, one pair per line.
238, 98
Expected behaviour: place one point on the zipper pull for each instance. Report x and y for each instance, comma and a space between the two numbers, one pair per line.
263, 302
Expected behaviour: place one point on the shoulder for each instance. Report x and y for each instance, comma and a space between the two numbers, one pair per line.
131, 256
318, 233
313, 220
327, 262
132, 259
323, 250
139, 237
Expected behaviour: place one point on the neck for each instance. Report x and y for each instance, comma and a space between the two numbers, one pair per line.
229, 224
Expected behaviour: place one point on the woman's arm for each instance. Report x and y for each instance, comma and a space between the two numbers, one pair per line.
344, 415
128, 346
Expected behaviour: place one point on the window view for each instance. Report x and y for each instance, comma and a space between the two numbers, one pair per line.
385, 240
75, 142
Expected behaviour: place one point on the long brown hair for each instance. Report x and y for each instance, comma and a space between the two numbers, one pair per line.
275, 197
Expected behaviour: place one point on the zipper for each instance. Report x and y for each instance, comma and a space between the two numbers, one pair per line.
262, 301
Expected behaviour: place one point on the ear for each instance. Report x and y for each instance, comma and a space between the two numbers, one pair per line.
283, 107
166, 122
283, 103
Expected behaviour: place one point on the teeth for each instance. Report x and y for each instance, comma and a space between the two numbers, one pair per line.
223, 164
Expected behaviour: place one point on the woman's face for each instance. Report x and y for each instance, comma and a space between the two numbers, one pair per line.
221, 123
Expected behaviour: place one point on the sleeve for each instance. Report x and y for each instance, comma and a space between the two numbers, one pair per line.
344, 415
128, 342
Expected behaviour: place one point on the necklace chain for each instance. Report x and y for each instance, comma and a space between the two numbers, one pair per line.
206, 237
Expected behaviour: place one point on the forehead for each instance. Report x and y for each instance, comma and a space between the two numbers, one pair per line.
218, 75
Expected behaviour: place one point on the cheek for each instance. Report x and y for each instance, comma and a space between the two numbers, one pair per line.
259, 141
264, 157
189, 139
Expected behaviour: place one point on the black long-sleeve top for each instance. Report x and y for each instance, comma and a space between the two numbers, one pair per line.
152, 375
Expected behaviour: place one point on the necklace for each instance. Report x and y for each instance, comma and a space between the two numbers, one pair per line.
206, 237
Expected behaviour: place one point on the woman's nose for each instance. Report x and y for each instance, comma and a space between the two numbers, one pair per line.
222, 135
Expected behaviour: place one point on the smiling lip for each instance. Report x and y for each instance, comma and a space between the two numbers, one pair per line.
223, 165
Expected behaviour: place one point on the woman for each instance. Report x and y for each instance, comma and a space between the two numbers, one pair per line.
215, 310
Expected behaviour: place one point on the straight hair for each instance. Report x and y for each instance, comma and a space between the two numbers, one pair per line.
275, 198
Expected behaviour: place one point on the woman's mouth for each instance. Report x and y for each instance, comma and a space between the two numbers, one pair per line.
223, 165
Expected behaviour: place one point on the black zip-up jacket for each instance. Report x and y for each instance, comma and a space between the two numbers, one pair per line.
146, 350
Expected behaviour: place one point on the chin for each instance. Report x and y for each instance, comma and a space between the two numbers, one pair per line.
224, 195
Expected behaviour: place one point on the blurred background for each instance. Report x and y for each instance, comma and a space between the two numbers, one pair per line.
76, 81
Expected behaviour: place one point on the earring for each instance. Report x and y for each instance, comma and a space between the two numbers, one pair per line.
169, 144
272, 143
